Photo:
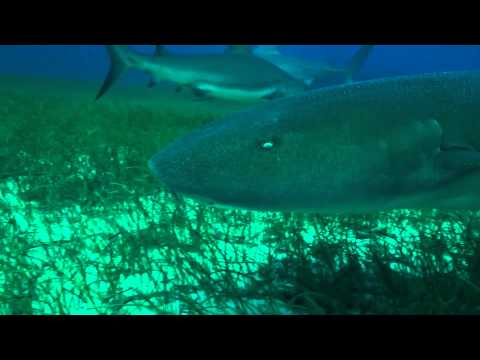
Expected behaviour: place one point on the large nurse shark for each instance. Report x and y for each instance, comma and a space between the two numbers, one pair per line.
405, 142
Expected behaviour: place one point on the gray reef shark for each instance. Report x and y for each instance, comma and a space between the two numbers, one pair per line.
235, 75
315, 73
405, 142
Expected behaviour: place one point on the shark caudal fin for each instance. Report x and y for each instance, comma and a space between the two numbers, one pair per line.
119, 62
357, 62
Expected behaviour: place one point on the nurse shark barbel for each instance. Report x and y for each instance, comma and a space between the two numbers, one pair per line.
406, 142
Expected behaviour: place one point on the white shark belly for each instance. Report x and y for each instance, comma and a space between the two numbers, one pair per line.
182, 76
231, 93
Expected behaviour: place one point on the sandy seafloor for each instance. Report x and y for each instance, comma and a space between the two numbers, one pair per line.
86, 229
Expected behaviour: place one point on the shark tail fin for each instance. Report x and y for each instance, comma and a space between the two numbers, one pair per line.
119, 62
357, 61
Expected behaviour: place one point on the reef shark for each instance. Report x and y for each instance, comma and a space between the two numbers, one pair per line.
235, 75
405, 142
315, 73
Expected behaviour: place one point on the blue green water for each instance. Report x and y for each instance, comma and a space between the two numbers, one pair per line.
90, 61
86, 229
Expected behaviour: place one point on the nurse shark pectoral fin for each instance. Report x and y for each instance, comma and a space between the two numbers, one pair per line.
455, 162
452, 159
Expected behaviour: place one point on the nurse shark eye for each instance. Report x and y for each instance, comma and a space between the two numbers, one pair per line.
268, 145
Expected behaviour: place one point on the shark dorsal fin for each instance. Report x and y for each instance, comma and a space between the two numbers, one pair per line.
160, 50
267, 50
357, 61
239, 50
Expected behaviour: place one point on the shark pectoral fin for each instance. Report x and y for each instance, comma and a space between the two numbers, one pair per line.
201, 95
277, 94
200, 92
456, 161
451, 159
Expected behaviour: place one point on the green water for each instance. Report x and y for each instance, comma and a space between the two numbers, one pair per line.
85, 228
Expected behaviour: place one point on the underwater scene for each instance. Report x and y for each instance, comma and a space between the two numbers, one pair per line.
239, 180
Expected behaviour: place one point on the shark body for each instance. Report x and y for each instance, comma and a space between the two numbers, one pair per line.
235, 75
316, 73
406, 142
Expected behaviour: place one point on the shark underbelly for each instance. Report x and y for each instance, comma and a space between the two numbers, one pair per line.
183, 76
235, 93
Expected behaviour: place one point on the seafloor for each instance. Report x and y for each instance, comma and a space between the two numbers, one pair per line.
85, 228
